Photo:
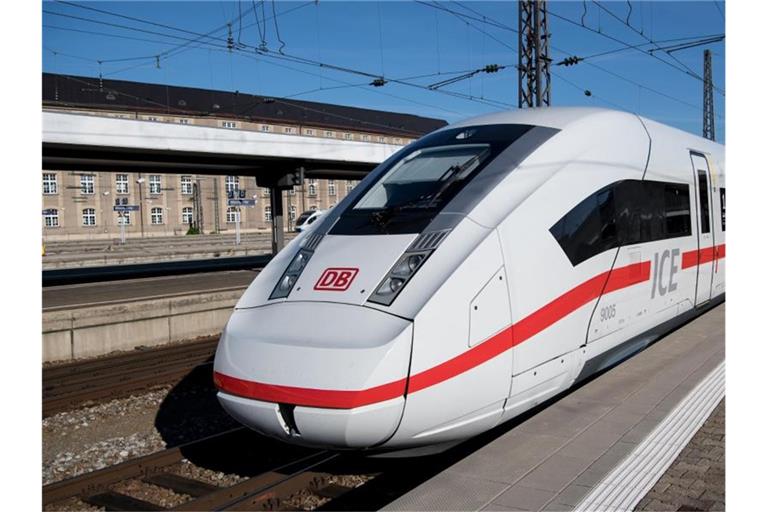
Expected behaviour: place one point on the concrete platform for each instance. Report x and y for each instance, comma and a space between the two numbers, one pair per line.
89, 253
95, 294
89, 320
562, 456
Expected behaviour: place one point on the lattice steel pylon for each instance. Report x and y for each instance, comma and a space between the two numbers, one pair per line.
709, 103
533, 78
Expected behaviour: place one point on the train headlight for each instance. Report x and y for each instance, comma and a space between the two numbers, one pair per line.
291, 274
397, 278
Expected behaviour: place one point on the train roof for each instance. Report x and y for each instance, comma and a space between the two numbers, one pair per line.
561, 117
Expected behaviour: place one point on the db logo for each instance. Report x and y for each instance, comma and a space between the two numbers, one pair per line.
336, 279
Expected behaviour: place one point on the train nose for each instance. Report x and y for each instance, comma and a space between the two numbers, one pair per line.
318, 374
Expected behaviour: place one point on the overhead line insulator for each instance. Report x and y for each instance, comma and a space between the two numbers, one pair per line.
570, 61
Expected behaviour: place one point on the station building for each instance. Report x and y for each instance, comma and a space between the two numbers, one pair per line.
79, 205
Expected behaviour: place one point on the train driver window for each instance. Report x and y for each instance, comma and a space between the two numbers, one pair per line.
425, 178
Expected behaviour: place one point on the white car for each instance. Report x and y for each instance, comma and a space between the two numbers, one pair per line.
307, 218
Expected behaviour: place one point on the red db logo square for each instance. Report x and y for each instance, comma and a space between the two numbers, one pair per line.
336, 279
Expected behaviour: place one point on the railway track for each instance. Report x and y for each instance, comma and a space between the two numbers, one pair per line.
271, 484
73, 384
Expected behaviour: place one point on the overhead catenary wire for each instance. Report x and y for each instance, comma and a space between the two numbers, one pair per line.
273, 54
275, 64
625, 46
208, 40
687, 68
486, 20
628, 45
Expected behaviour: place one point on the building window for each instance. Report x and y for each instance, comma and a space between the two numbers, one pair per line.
124, 219
348, 136
289, 129
228, 124
266, 192
50, 186
121, 183
292, 212
186, 215
86, 184
157, 215
313, 207
292, 191
51, 218
151, 118
89, 217
350, 186
309, 131
186, 185
367, 138
312, 188
183, 121
398, 140
155, 184
232, 215
329, 133
268, 214
382, 139
232, 183
331, 187
265, 127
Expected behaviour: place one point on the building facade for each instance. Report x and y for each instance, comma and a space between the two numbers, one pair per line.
79, 205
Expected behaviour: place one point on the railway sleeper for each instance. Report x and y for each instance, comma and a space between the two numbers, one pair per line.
112, 500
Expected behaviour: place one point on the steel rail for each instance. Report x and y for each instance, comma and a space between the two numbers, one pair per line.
73, 384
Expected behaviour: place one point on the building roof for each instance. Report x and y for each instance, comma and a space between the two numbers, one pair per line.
97, 94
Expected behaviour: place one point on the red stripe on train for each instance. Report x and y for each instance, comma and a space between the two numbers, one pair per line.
310, 397
513, 335
699, 257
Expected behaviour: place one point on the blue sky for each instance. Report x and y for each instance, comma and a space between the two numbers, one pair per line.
399, 40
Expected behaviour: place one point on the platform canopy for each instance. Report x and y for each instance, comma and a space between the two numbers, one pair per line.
95, 143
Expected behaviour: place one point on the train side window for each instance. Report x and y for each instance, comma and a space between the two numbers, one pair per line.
722, 207
625, 213
589, 228
704, 201
677, 210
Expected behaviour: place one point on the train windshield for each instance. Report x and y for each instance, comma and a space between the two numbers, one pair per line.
410, 191
423, 177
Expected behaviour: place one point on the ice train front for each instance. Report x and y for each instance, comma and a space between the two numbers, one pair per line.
318, 350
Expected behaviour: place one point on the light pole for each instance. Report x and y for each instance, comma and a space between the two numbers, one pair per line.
140, 181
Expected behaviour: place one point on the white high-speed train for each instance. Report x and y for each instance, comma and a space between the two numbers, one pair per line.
477, 272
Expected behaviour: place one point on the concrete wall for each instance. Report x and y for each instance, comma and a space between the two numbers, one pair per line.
93, 331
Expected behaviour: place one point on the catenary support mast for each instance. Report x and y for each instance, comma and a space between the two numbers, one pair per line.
709, 104
533, 77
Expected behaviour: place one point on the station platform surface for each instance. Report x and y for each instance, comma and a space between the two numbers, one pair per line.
602, 445
93, 294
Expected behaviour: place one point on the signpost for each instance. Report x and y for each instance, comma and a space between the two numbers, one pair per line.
237, 202
121, 210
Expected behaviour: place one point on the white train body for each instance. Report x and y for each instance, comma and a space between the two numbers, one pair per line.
573, 238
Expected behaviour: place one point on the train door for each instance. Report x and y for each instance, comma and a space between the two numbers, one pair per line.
706, 239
